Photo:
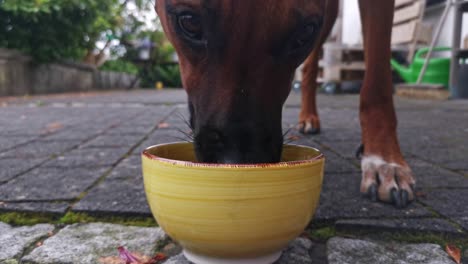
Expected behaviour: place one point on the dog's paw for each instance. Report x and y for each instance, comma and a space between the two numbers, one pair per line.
386, 181
309, 127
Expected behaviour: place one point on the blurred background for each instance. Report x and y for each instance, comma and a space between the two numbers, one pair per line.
59, 38
55, 46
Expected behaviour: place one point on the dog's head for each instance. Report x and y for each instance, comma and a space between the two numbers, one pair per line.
237, 61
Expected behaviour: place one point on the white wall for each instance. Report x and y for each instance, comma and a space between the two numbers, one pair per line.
352, 32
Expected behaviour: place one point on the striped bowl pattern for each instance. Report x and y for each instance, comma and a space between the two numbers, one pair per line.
232, 211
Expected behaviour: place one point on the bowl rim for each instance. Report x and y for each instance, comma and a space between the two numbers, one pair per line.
282, 164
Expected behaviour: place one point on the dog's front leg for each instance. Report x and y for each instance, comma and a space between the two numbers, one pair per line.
309, 121
385, 174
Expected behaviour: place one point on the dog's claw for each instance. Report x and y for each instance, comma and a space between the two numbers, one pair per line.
372, 193
404, 198
399, 198
307, 128
360, 151
396, 199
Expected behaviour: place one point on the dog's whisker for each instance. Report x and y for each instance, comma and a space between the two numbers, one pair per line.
287, 132
184, 139
182, 117
186, 134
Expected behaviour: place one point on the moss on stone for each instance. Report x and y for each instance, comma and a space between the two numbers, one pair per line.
28, 219
321, 233
73, 218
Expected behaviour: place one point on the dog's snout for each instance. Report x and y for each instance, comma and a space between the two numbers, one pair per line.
235, 146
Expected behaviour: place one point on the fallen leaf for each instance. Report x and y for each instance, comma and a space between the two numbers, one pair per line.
421, 194
164, 125
157, 259
111, 260
52, 127
50, 234
305, 235
294, 138
127, 256
454, 252
39, 244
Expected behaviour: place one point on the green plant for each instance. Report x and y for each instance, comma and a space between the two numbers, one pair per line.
119, 65
168, 74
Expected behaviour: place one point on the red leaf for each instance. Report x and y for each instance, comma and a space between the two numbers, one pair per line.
454, 252
128, 257
157, 258
294, 138
164, 125
421, 194
52, 128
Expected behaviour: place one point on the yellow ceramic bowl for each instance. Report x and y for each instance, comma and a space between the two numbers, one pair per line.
228, 213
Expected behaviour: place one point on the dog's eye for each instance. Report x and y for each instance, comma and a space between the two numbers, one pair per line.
191, 26
305, 37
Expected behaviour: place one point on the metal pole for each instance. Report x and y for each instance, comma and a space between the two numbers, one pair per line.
435, 39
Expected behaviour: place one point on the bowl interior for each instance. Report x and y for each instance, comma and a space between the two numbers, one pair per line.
184, 154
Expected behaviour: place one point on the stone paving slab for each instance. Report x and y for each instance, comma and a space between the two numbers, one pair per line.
430, 225
129, 168
449, 157
116, 196
341, 199
50, 184
36, 207
452, 202
14, 240
297, 252
86, 244
39, 149
113, 141
12, 141
72, 134
431, 176
351, 251
11, 168
89, 158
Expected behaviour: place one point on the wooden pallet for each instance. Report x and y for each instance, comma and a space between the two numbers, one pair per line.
341, 63
408, 29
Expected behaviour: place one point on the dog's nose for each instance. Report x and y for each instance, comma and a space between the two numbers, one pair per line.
235, 146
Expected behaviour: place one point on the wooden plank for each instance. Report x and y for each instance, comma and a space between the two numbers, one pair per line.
424, 34
352, 66
404, 33
430, 92
408, 13
413, 31
399, 3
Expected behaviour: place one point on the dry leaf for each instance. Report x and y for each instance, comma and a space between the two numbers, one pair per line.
421, 194
39, 244
53, 127
111, 260
454, 252
50, 234
157, 259
294, 138
127, 257
164, 125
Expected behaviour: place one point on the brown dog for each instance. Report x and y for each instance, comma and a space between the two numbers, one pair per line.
237, 60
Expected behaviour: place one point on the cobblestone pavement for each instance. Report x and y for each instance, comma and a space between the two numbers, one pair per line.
80, 154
